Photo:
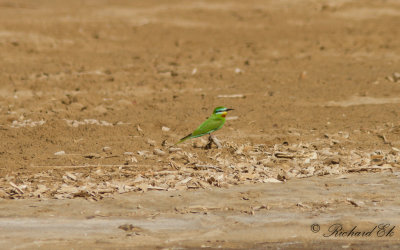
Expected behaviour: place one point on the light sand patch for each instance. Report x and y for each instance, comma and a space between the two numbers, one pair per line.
363, 100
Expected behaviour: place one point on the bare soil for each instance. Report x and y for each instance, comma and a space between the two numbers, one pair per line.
93, 94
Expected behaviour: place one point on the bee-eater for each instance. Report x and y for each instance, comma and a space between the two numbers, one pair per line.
213, 123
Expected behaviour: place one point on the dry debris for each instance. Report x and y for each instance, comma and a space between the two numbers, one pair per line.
182, 169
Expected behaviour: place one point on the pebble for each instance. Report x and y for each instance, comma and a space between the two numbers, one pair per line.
59, 153
165, 129
106, 149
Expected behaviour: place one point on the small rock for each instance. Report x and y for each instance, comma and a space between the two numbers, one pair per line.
165, 129
106, 149
59, 153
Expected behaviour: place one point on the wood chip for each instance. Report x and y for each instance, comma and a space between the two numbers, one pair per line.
376, 168
355, 203
156, 188
271, 180
184, 181
159, 152
16, 187
171, 150
284, 155
71, 176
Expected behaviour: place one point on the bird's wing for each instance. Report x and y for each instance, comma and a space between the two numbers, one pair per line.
209, 126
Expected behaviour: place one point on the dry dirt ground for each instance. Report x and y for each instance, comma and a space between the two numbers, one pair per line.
93, 94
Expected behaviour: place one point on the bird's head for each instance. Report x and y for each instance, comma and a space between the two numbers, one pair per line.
221, 111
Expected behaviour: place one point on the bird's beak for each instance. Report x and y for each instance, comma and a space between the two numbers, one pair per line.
229, 109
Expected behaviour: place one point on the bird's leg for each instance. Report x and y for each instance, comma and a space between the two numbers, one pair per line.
212, 139
209, 144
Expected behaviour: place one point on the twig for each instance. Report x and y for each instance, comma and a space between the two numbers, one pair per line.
198, 166
352, 170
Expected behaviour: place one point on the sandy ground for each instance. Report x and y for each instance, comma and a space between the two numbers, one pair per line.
94, 93
246, 216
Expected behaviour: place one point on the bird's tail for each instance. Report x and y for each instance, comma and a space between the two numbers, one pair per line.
183, 139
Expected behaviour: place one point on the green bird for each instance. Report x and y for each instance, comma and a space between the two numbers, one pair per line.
213, 123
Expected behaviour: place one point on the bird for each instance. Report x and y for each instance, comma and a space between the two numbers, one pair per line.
212, 124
